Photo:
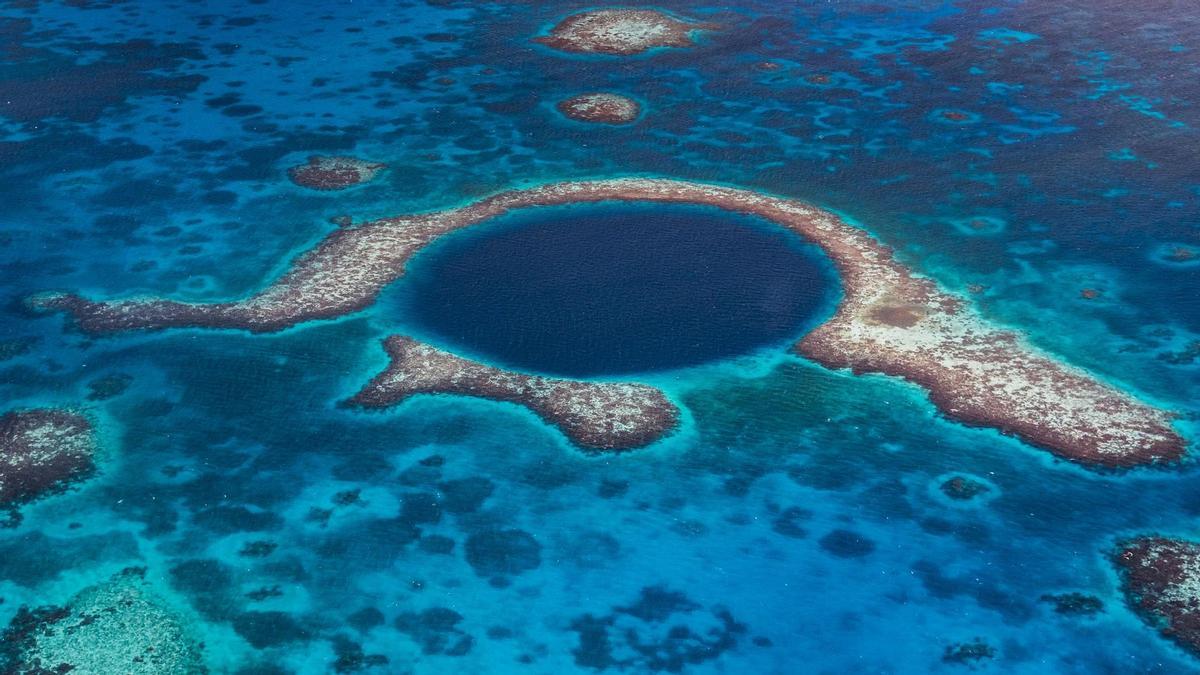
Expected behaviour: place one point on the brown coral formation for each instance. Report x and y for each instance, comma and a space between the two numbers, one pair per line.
594, 415
1181, 254
601, 108
621, 32
334, 173
962, 488
1162, 582
42, 451
890, 320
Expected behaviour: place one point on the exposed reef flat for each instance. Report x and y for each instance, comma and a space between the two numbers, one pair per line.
890, 320
334, 173
1162, 583
43, 451
621, 32
594, 415
601, 108
118, 626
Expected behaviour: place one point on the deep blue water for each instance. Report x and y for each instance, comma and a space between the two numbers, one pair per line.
793, 525
615, 289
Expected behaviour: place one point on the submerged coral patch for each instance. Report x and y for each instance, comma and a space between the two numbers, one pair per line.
621, 32
977, 226
847, 544
964, 488
436, 631
1177, 255
663, 631
118, 626
954, 116
498, 553
1074, 603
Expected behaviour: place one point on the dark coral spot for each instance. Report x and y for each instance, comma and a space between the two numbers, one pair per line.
437, 544
268, 629
103, 388
420, 508
220, 198
241, 110
788, 521
230, 519
612, 488
503, 552
436, 630
465, 495
365, 619
847, 544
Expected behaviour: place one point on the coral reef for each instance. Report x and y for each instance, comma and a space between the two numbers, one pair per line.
11, 349
108, 386
890, 320
601, 108
1177, 255
594, 415
334, 173
1161, 580
621, 32
663, 631
118, 626
43, 451
963, 488
436, 630
968, 653
847, 544
1074, 603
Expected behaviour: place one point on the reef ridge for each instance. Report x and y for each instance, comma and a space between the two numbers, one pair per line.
607, 416
890, 320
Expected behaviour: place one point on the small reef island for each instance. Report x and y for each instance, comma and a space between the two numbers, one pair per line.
42, 452
600, 108
334, 173
1161, 579
621, 32
890, 321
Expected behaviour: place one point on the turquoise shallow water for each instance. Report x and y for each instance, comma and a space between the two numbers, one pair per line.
793, 524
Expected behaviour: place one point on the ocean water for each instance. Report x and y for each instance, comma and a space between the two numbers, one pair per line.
794, 522
590, 290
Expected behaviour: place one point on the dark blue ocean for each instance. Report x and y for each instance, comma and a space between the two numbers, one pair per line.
1020, 153
609, 290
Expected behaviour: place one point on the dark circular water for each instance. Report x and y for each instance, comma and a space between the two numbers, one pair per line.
615, 288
